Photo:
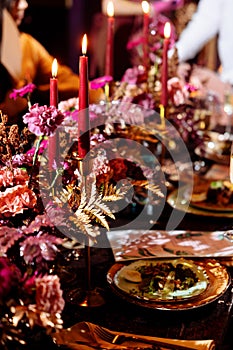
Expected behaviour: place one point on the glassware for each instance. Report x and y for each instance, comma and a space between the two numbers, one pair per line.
231, 164
228, 110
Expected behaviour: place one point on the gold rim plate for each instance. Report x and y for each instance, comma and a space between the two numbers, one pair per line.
182, 204
218, 282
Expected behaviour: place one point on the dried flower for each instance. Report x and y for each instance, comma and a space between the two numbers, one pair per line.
43, 120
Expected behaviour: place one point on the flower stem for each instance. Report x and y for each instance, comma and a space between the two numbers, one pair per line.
35, 156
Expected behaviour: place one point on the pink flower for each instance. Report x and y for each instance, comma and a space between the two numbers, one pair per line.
49, 294
132, 75
40, 248
100, 82
43, 120
177, 91
68, 105
25, 90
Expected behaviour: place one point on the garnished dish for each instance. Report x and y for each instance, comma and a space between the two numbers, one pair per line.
162, 280
207, 198
168, 284
213, 195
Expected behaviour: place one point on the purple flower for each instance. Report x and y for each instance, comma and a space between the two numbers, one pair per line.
100, 82
25, 90
43, 120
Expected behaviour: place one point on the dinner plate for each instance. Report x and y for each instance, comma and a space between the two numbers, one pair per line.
216, 274
162, 272
212, 206
182, 203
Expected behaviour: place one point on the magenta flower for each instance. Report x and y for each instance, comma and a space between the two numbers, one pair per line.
10, 276
43, 146
43, 120
100, 82
25, 90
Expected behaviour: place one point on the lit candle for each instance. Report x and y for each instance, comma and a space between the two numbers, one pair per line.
83, 115
110, 40
52, 142
53, 85
146, 19
164, 74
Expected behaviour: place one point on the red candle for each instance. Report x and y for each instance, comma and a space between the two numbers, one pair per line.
53, 85
83, 115
164, 74
52, 144
146, 21
110, 40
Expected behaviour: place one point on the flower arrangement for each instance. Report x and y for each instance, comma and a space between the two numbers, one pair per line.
27, 302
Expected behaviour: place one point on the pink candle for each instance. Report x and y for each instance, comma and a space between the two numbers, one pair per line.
146, 21
110, 40
83, 115
52, 144
164, 74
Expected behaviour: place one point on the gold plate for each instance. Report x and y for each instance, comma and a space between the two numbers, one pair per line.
183, 204
218, 282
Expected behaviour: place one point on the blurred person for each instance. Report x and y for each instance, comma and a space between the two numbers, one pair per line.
24, 60
212, 17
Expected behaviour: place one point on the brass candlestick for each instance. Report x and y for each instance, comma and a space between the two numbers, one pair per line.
90, 297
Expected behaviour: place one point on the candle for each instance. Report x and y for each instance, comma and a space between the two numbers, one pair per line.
52, 143
53, 85
83, 115
146, 10
110, 42
164, 75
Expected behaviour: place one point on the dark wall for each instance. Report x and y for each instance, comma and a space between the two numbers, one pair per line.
58, 25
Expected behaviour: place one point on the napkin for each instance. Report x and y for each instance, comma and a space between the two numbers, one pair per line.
83, 336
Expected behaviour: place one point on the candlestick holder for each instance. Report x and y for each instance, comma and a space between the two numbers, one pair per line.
163, 114
86, 296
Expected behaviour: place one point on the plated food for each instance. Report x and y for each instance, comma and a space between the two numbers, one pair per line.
213, 195
169, 284
162, 280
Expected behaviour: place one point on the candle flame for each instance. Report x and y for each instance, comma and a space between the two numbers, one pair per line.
145, 7
110, 9
54, 68
167, 30
84, 44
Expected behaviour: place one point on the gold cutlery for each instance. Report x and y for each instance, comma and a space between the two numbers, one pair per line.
121, 338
